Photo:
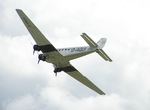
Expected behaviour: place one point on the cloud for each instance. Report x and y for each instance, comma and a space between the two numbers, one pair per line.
50, 98
125, 24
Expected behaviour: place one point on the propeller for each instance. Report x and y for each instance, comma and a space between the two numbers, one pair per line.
33, 48
33, 52
38, 61
40, 56
56, 74
55, 70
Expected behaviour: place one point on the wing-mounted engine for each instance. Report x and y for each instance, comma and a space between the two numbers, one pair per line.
36, 48
41, 57
56, 69
44, 48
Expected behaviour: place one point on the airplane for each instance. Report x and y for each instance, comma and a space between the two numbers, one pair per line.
60, 57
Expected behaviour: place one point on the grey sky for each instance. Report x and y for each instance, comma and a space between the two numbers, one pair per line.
26, 85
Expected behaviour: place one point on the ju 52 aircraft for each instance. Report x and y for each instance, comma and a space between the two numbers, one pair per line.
60, 57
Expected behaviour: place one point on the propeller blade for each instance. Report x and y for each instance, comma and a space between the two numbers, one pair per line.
56, 74
38, 61
33, 52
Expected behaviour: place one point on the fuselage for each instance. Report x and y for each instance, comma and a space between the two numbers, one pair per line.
76, 52
73, 50
69, 54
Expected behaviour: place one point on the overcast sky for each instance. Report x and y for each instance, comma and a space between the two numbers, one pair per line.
24, 85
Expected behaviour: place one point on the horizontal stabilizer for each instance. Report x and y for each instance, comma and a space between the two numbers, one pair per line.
99, 45
89, 40
104, 55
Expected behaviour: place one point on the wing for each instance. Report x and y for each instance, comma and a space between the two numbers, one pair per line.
34, 31
39, 38
70, 70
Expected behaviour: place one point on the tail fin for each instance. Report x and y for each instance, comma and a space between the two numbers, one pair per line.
101, 43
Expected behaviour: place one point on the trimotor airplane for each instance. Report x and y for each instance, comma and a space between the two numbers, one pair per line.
60, 57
